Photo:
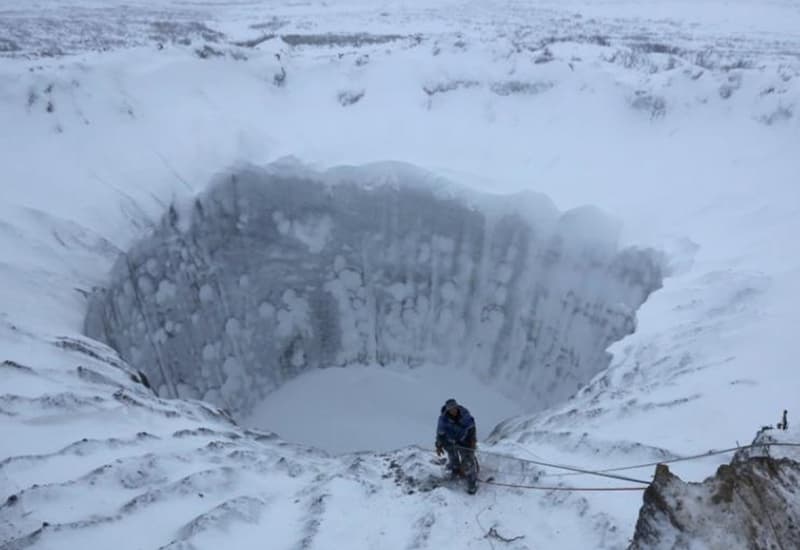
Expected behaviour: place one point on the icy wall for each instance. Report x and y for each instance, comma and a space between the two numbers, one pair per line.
275, 271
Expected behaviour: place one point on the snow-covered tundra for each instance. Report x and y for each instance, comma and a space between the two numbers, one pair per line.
578, 218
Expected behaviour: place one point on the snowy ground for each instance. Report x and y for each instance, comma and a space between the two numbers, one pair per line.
680, 119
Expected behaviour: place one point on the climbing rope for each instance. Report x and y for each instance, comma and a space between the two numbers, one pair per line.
572, 470
565, 467
570, 489
656, 463
709, 453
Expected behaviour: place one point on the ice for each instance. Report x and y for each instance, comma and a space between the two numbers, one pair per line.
384, 407
401, 273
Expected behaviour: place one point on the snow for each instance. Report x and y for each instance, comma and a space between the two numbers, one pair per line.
385, 408
679, 119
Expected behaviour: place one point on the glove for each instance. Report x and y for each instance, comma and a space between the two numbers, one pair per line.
439, 449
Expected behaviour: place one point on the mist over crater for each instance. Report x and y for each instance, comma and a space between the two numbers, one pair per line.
273, 272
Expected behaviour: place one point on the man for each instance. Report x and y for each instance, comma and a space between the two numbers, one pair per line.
455, 434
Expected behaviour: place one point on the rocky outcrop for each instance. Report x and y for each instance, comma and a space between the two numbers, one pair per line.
273, 272
752, 503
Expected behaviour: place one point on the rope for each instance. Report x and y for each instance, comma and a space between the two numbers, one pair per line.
565, 467
682, 458
656, 463
603, 473
545, 488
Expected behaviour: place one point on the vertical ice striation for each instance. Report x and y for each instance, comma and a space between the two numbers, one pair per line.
275, 271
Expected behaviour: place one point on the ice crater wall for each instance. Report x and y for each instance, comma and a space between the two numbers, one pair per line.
275, 271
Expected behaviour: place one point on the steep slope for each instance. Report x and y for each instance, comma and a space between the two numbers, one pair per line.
100, 460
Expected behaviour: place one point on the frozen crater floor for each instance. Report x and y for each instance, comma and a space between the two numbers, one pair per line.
375, 408
168, 293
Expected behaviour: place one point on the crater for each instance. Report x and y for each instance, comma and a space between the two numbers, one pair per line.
341, 308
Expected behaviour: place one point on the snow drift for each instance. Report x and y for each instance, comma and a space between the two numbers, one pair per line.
272, 272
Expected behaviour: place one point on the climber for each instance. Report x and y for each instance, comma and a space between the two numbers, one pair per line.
456, 435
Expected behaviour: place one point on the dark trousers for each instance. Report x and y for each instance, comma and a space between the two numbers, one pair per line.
462, 459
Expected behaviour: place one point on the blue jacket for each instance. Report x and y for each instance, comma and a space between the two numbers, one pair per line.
459, 430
